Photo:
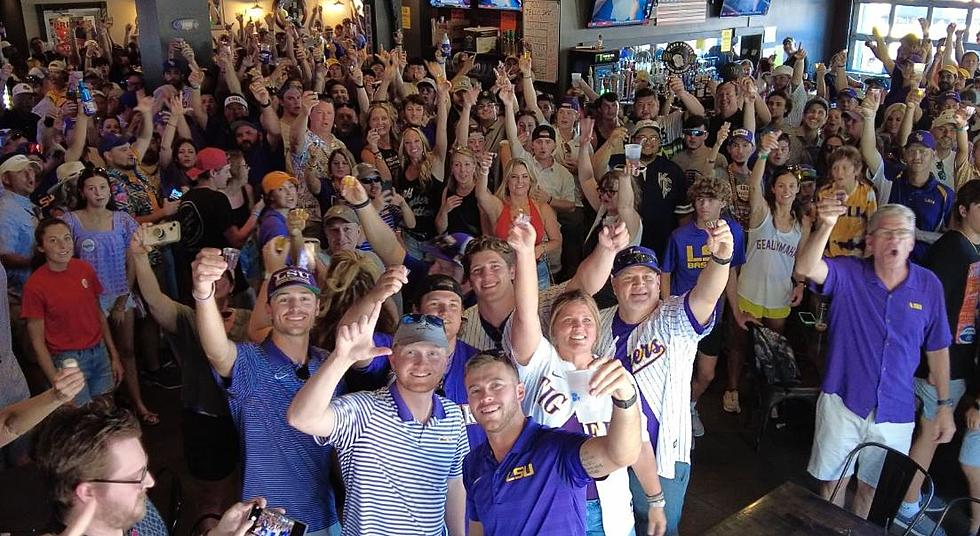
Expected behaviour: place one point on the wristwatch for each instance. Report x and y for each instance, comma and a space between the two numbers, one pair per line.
625, 404
948, 402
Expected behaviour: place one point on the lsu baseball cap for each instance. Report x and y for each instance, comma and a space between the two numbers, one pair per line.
341, 212
292, 276
923, 138
848, 93
208, 159
954, 95
236, 99
449, 247
635, 256
111, 141
275, 179
570, 102
417, 327
543, 132
743, 134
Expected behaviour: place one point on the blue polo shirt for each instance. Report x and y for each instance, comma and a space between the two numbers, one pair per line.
537, 490
281, 463
876, 337
396, 469
378, 373
687, 254
18, 218
932, 204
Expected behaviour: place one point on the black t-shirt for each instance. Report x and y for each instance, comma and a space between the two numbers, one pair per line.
466, 217
662, 189
204, 215
25, 122
956, 263
424, 201
714, 124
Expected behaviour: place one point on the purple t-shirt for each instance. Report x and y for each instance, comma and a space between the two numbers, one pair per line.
105, 250
876, 336
687, 254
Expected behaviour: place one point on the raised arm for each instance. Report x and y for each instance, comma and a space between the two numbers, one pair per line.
20, 417
622, 443
715, 276
869, 148
798, 67
301, 124
950, 46
908, 120
593, 272
880, 50
310, 411
162, 308
757, 198
525, 325
527, 87
194, 80
145, 107
490, 204
463, 124
441, 146
207, 269
586, 175
821, 79
809, 257
751, 93
269, 119
382, 239
690, 102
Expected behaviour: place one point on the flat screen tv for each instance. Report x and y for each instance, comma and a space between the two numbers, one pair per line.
742, 8
506, 5
458, 4
619, 13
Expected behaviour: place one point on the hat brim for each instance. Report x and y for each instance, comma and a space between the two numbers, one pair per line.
650, 265
314, 290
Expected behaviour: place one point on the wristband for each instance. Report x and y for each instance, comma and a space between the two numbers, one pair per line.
359, 206
195, 88
657, 500
256, 213
625, 404
208, 297
359, 86
948, 402
963, 129
266, 105
722, 261
763, 156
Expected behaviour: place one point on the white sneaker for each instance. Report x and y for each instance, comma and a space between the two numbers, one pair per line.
729, 402
697, 427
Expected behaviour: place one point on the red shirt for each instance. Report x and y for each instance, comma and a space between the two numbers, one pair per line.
68, 302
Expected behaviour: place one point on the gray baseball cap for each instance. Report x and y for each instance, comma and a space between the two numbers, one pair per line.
415, 328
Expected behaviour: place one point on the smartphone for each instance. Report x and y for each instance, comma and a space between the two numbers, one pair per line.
162, 234
176, 194
273, 523
311, 250
807, 318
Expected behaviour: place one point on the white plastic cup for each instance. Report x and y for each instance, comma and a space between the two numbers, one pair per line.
588, 408
633, 151
576, 77
69, 363
231, 257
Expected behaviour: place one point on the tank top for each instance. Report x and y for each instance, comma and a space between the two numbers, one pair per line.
241, 214
502, 227
765, 278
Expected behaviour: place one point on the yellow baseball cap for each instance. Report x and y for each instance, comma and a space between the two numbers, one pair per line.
275, 179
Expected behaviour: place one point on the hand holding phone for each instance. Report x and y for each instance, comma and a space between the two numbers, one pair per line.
275, 523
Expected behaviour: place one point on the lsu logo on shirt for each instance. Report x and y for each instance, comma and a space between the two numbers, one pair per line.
915, 306
695, 262
519, 472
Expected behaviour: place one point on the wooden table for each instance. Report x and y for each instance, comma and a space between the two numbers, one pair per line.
791, 510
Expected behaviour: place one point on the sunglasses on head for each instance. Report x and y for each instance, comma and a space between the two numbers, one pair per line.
695, 132
801, 172
419, 318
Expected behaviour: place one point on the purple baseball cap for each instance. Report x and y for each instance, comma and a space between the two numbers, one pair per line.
923, 138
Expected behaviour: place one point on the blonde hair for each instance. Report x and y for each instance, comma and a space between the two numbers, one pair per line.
567, 298
425, 167
503, 192
350, 277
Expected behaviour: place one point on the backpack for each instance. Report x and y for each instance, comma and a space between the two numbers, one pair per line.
774, 357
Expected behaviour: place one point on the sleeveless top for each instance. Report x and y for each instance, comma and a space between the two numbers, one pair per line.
592, 237
771, 253
502, 227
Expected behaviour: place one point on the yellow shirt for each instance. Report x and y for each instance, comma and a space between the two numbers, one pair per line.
847, 236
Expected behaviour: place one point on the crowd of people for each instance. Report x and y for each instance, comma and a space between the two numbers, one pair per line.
408, 296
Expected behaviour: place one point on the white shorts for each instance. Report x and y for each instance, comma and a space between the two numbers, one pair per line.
839, 430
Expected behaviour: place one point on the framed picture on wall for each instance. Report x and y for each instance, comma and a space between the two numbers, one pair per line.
217, 10
58, 22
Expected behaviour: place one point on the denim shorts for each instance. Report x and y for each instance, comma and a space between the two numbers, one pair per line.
970, 450
107, 302
926, 395
96, 368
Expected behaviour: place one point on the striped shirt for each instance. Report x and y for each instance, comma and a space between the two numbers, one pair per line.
396, 469
660, 354
474, 330
281, 463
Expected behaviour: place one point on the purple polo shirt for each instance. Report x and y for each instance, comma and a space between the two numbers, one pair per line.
876, 337
537, 490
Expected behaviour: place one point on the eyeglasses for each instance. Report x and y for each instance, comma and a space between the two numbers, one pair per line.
418, 318
608, 191
894, 233
695, 132
142, 477
647, 140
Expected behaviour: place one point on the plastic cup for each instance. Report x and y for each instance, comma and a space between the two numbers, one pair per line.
633, 151
588, 408
231, 257
69, 363
576, 77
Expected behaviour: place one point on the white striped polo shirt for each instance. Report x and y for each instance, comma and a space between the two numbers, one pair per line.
395, 468
474, 334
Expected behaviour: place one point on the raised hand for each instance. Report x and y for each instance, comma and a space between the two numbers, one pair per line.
309, 101
770, 141
68, 382
355, 341
196, 78
521, 237
830, 209
723, 133
274, 257
720, 243
390, 283
615, 238
207, 269
144, 103
353, 191
176, 105
610, 379
675, 84
471, 95
586, 129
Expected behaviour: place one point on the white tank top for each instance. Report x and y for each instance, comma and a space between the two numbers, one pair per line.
770, 254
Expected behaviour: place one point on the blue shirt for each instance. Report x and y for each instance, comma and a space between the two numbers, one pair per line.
18, 218
272, 223
932, 204
281, 463
396, 469
537, 490
687, 254
876, 336
377, 375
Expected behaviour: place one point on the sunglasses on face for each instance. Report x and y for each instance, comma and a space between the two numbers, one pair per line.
419, 318
695, 132
608, 191
367, 181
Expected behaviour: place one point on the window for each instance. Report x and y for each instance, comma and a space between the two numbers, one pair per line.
896, 18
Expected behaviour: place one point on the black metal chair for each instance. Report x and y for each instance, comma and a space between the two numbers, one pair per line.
949, 506
897, 471
176, 499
